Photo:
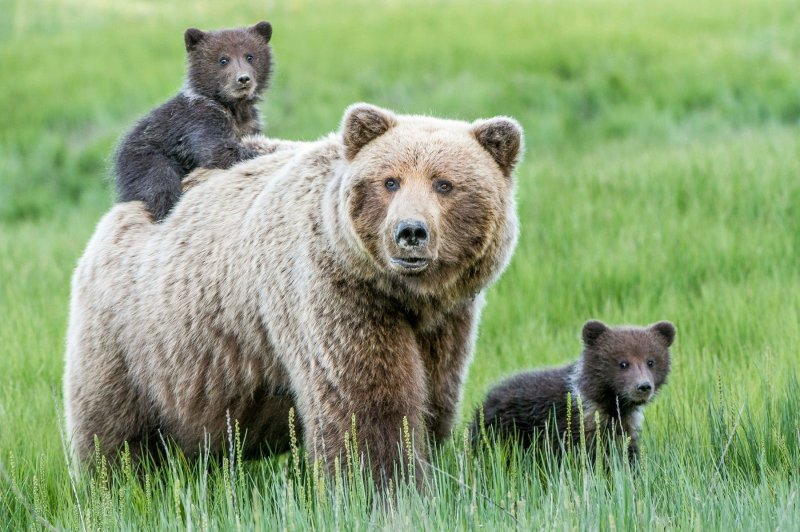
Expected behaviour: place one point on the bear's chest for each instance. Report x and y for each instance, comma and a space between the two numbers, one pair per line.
243, 121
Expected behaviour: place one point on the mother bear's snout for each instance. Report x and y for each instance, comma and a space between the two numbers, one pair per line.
411, 233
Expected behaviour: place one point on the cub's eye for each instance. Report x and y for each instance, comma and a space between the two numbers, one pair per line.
651, 363
442, 186
223, 61
392, 184
249, 58
623, 365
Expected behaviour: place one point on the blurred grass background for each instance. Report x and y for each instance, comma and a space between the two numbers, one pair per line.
660, 182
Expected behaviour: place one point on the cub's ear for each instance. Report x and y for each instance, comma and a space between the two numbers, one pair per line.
592, 331
665, 330
192, 37
502, 138
363, 123
264, 29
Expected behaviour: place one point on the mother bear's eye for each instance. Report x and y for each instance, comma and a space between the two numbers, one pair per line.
392, 184
223, 61
442, 186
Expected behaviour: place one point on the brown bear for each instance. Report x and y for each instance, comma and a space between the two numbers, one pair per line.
344, 277
619, 372
206, 125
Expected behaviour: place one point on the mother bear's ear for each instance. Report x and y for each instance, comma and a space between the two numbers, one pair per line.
501, 136
363, 123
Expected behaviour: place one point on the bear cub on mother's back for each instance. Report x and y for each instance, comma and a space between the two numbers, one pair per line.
619, 372
202, 126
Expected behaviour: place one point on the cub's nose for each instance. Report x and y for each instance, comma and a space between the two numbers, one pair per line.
411, 234
644, 387
244, 79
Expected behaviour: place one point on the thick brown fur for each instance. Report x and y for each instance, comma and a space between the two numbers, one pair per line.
619, 372
283, 281
204, 125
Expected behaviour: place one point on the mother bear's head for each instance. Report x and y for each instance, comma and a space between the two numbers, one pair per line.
430, 202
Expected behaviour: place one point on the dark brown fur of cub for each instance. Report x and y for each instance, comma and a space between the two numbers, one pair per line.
203, 125
619, 372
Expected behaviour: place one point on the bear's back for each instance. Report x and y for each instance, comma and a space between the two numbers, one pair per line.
526, 401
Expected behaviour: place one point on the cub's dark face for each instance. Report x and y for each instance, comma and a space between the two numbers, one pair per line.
230, 65
426, 199
631, 363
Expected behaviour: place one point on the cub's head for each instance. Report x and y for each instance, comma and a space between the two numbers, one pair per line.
628, 363
431, 200
229, 65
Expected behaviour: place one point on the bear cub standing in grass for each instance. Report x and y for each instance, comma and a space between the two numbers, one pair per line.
619, 372
204, 125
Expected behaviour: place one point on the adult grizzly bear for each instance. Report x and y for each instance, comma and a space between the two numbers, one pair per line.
344, 276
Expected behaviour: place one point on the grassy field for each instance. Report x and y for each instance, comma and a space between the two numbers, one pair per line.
660, 182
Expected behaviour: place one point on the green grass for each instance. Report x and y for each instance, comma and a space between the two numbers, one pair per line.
660, 182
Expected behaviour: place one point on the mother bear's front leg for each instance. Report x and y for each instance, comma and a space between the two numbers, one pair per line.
447, 352
365, 362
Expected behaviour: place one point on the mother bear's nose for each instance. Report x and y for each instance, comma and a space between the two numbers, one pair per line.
411, 234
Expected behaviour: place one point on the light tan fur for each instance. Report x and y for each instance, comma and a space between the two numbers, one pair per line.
268, 286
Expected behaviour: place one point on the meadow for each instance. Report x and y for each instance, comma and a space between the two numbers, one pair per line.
661, 181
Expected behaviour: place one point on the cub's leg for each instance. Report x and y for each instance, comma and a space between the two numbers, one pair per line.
157, 183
